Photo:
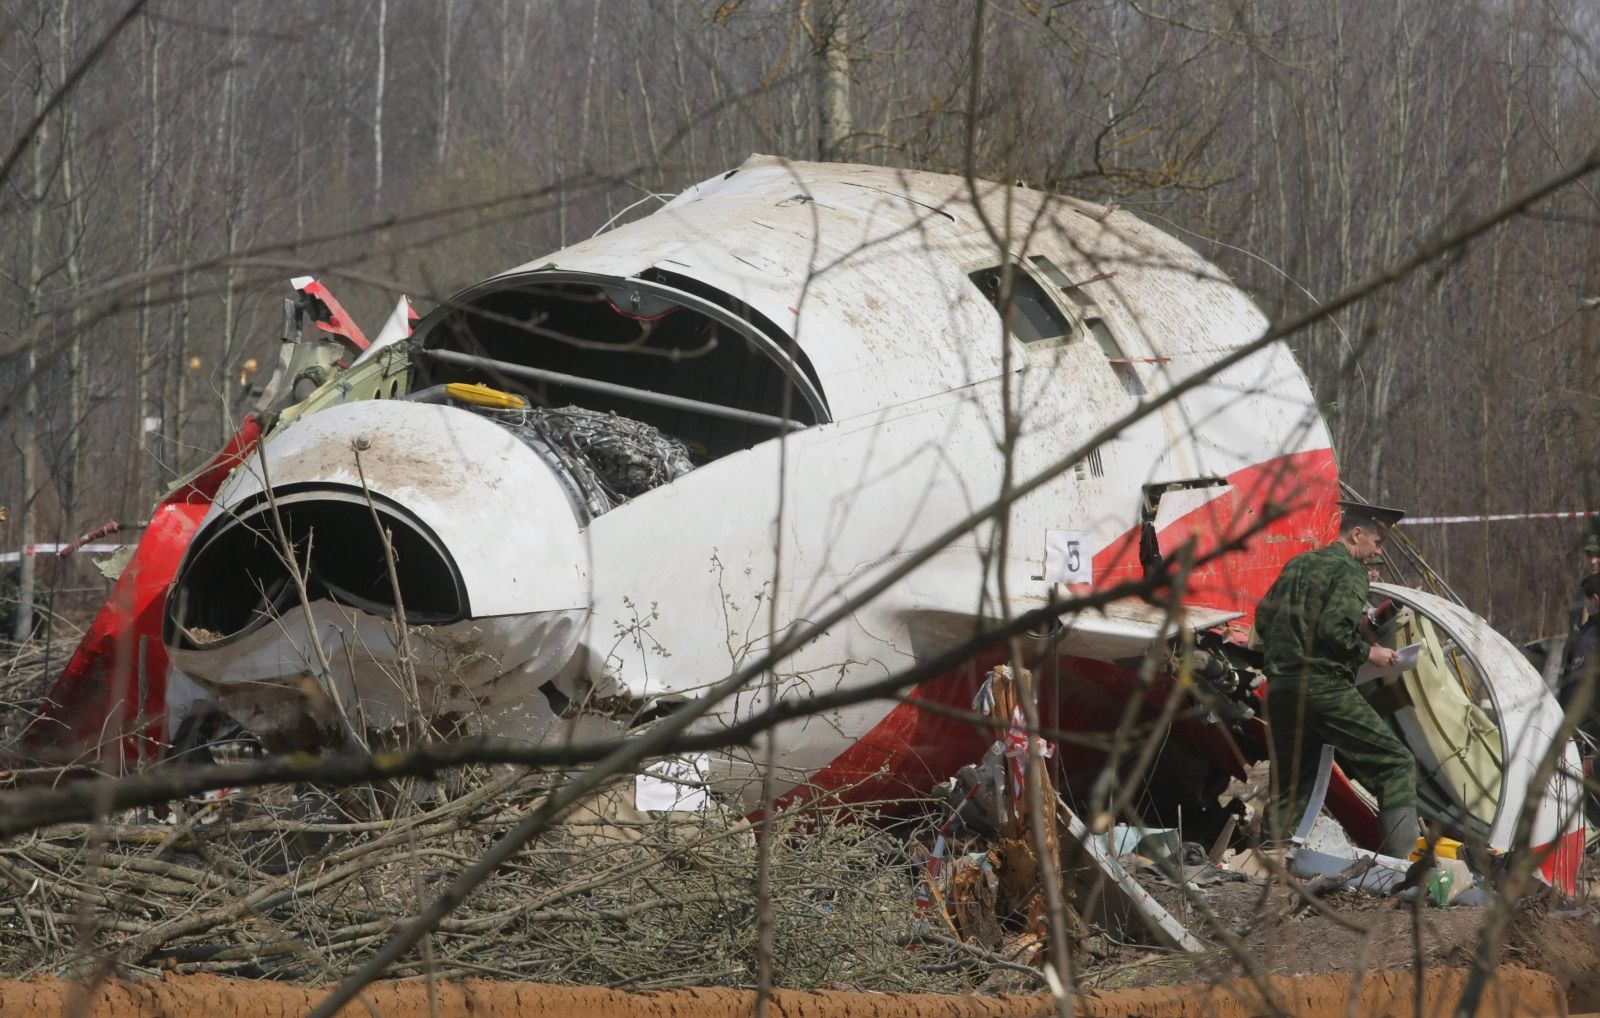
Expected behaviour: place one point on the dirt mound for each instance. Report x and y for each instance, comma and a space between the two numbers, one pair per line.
1562, 943
1517, 992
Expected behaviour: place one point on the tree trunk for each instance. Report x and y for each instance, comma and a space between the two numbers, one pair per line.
833, 82
442, 135
28, 422
180, 372
1388, 355
377, 105
230, 217
69, 470
140, 446
1489, 360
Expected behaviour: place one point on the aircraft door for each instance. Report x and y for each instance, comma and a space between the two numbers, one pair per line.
1478, 718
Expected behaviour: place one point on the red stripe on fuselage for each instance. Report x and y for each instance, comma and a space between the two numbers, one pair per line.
109, 705
911, 749
1561, 859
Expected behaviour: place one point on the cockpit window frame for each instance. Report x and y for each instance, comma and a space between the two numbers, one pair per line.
777, 350
1051, 303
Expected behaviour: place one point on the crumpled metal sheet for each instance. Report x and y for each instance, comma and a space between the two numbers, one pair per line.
626, 457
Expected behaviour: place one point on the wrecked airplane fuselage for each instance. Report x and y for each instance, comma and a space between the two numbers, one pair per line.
582, 490
289, 577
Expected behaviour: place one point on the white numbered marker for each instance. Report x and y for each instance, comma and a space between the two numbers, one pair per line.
1068, 558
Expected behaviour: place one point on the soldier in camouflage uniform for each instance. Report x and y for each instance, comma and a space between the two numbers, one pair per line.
1309, 627
1591, 567
1583, 649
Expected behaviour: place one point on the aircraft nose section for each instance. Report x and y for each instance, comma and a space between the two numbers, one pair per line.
286, 614
382, 505
241, 578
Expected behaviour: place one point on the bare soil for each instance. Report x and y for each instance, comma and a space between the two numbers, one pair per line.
1517, 992
1356, 932
1307, 942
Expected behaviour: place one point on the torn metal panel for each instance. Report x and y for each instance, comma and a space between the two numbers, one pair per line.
272, 680
395, 328
1124, 892
1011, 872
329, 315
1130, 627
1319, 793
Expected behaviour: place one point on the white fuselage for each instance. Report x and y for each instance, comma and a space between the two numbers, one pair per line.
932, 409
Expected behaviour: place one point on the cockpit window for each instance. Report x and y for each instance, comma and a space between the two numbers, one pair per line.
706, 373
1034, 317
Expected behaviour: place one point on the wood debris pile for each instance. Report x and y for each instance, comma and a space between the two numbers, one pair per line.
298, 885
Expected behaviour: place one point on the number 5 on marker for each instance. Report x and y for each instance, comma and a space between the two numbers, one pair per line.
1068, 558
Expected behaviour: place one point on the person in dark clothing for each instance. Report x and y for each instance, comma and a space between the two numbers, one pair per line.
1583, 647
1591, 567
1309, 624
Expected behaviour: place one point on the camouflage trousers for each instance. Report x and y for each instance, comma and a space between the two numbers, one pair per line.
1306, 714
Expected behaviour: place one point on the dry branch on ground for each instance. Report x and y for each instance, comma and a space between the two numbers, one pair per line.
296, 885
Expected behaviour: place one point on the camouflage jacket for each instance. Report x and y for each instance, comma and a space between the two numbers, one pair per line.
1309, 621
1582, 646
1575, 612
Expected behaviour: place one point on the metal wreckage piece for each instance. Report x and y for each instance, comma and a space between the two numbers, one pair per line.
626, 457
486, 519
974, 894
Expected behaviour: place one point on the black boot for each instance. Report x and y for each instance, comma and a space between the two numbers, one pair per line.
1397, 829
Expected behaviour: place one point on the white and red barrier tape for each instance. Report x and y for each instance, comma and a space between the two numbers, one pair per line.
1412, 521
37, 550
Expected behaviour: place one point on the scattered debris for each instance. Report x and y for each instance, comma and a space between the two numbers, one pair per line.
1254, 863
677, 784
985, 894
1321, 851
628, 457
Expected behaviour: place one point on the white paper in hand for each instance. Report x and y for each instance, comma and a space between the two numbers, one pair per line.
1405, 661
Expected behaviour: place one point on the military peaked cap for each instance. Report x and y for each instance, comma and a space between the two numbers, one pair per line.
1352, 512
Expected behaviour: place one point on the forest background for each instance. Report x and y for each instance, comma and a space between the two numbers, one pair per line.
149, 223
